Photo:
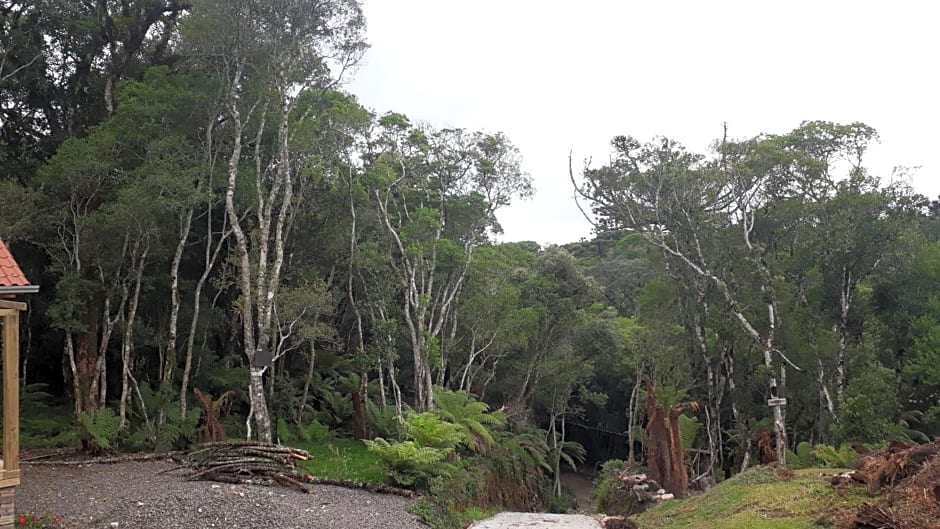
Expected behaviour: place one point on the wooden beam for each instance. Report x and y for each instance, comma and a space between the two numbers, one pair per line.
11, 392
15, 305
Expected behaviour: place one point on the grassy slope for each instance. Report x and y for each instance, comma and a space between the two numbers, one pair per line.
757, 499
345, 459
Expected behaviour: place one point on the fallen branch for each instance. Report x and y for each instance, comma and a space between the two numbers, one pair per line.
128, 458
363, 485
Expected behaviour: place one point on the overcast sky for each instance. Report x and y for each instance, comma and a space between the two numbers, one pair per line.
557, 76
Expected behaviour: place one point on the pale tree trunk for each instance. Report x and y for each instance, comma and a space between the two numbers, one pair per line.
76, 386
728, 361
109, 322
307, 381
211, 255
825, 399
127, 348
633, 417
169, 361
711, 428
388, 357
426, 306
847, 287
256, 391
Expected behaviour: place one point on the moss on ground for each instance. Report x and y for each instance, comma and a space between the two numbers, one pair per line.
759, 499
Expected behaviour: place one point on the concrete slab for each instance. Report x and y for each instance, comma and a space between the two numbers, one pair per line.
528, 520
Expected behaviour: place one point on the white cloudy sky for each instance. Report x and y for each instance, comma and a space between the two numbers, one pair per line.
557, 76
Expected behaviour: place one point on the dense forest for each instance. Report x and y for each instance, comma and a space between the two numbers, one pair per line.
230, 244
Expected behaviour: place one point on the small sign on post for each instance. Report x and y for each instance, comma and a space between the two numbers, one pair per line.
263, 358
776, 402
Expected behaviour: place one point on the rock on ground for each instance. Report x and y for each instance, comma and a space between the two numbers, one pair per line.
528, 520
134, 496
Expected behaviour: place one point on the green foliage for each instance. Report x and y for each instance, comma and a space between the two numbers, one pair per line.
608, 496
410, 464
870, 408
383, 422
571, 453
688, 430
472, 418
561, 503
429, 430
99, 429
314, 432
43, 423
803, 457
160, 425
284, 434
831, 457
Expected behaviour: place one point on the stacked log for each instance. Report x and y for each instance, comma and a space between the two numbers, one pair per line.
254, 463
247, 462
645, 490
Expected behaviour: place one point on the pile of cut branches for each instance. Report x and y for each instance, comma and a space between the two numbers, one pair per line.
906, 478
246, 462
254, 463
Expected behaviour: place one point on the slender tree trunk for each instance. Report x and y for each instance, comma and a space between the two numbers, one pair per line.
127, 347
632, 418
169, 362
845, 304
307, 381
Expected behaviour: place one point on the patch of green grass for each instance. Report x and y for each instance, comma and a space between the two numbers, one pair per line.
758, 499
344, 459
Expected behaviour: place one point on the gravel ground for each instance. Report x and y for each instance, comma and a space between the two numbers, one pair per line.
528, 520
133, 496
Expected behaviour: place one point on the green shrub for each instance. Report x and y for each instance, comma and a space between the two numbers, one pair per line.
383, 422
427, 429
410, 464
100, 429
803, 457
472, 418
561, 504
160, 424
830, 457
870, 408
688, 430
608, 496
47, 427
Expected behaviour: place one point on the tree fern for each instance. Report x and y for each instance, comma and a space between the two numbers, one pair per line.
688, 430
99, 428
410, 463
530, 448
315, 431
472, 417
428, 429
830, 457
572, 453
384, 421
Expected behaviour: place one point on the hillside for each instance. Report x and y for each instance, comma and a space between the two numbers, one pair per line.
760, 499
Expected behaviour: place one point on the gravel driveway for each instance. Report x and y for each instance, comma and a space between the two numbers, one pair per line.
133, 496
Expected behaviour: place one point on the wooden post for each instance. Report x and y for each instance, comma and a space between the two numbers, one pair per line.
11, 393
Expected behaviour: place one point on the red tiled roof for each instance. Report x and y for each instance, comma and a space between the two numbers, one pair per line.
10, 273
